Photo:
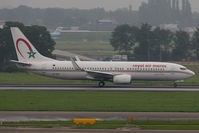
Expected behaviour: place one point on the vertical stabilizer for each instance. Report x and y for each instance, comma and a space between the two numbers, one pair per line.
26, 52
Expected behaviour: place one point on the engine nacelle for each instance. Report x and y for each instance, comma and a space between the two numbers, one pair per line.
122, 79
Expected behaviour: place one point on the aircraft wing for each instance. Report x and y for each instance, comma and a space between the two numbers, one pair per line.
100, 75
77, 58
20, 63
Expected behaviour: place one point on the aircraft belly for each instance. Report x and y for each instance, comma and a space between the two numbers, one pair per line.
177, 76
150, 76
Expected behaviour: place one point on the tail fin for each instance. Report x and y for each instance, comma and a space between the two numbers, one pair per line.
26, 52
58, 30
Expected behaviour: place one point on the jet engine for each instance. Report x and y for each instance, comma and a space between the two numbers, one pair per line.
122, 79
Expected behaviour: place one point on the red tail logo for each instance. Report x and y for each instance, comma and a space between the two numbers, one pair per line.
31, 53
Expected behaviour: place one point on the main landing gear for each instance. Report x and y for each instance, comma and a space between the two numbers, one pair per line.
175, 85
101, 84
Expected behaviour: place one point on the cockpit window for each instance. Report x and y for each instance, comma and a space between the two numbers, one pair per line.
183, 68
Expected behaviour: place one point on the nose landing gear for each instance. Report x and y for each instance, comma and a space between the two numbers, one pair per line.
101, 84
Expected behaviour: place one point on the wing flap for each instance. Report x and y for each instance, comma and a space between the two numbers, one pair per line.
99, 75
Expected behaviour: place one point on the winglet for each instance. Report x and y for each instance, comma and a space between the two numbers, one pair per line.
77, 58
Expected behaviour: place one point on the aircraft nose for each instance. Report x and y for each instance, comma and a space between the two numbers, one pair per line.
192, 73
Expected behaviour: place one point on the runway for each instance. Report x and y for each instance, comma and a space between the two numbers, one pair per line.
94, 88
65, 130
58, 116
66, 116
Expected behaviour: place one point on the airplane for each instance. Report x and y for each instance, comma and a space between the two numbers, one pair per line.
56, 34
117, 72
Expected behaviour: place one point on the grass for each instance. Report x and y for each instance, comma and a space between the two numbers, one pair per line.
171, 127
40, 124
92, 36
99, 101
167, 125
144, 125
91, 48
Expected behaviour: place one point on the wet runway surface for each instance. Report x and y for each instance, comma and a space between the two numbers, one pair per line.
65, 116
94, 88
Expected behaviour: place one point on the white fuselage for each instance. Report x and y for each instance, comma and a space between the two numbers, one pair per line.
117, 72
154, 71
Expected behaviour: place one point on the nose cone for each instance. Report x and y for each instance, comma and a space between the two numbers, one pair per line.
192, 73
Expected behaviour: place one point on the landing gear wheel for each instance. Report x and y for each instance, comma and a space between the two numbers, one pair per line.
101, 84
175, 85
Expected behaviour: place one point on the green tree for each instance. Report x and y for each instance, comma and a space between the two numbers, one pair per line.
195, 43
7, 50
182, 46
145, 40
38, 35
161, 49
124, 38
40, 38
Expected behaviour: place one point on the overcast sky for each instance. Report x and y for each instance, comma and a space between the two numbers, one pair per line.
82, 4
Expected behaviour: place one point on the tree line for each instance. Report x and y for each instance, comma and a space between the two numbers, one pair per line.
155, 12
54, 17
145, 43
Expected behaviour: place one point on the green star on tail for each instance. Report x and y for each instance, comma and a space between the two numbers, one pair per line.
31, 54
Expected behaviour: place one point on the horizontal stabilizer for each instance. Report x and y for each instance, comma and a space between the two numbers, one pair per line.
20, 63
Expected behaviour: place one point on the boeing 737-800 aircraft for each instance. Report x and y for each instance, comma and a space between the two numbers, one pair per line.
117, 72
